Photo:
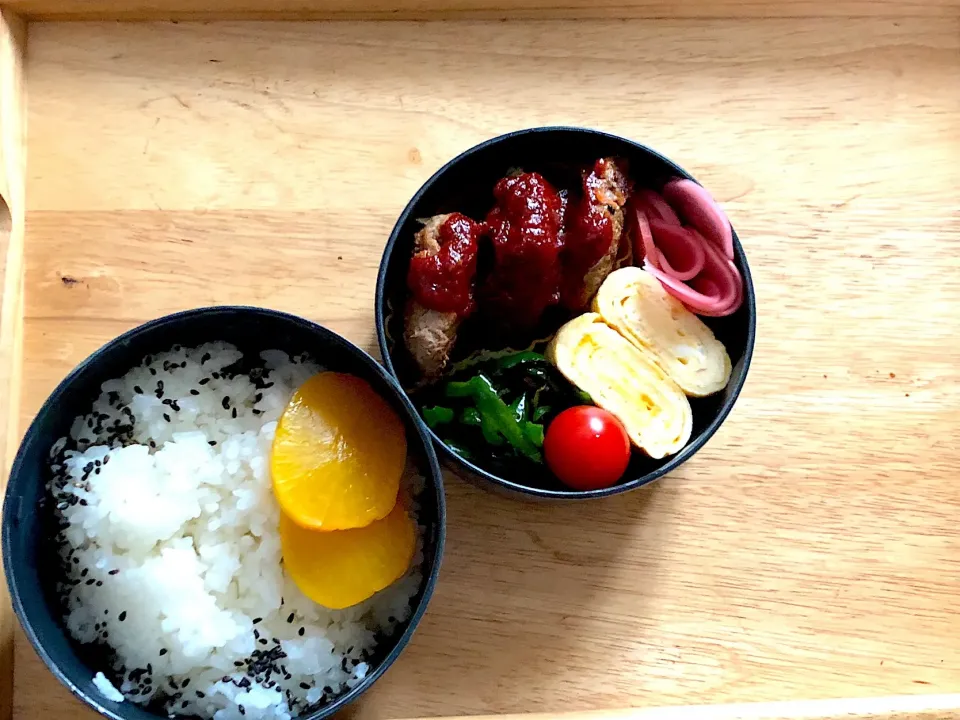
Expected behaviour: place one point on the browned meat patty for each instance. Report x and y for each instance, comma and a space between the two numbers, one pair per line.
429, 335
606, 190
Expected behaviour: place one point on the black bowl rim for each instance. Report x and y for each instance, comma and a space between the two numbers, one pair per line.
688, 451
325, 335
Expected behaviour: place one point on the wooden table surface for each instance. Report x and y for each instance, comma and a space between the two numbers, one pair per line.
811, 550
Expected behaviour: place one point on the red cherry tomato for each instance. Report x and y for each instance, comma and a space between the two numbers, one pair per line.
587, 448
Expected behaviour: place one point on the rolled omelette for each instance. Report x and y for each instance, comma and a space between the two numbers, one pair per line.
635, 303
626, 381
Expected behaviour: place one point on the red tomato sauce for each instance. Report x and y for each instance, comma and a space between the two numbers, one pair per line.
589, 233
444, 281
525, 229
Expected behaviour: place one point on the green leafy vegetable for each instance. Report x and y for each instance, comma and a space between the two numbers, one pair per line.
458, 448
496, 418
436, 416
539, 413
519, 358
501, 402
534, 433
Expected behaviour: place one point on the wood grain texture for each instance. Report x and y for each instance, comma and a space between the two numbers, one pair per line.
809, 551
903, 707
473, 9
12, 170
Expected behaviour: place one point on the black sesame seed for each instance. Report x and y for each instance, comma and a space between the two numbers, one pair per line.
106, 459
211, 443
290, 617
194, 391
300, 632
256, 634
167, 401
256, 620
257, 412
200, 693
185, 683
234, 414
90, 581
166, 417
149, 672
83, 573
262, 641
226, 678
99, 583
184, 703
163, 651
122, 616
113, 572
206, 356
238, 663
138, 390
225, 402
173, 683
159, 384
258, 397
242, 709
204, 381
153, 444
216, 375
153, 371
304, 686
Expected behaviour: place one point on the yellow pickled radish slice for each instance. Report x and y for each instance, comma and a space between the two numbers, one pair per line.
626, 381
343, 568
338, 454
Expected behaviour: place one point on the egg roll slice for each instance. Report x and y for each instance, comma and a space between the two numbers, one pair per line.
637, 305
626, 381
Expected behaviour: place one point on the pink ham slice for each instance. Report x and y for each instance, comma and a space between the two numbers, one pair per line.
655, 207
679, 250
643, 241
698, 208
716, 291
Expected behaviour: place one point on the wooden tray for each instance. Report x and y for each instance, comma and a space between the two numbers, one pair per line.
809, 552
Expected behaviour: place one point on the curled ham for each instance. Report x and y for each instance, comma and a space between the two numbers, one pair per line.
697, 270
644, 247
699, 209
679, 251
656, 207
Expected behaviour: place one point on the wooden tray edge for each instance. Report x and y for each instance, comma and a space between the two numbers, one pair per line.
470, 9
894, 707
13, 35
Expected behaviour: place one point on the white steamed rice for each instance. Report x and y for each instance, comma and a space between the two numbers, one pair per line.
171, 553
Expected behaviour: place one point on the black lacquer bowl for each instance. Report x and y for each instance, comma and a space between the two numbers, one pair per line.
465, 184
28, 523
